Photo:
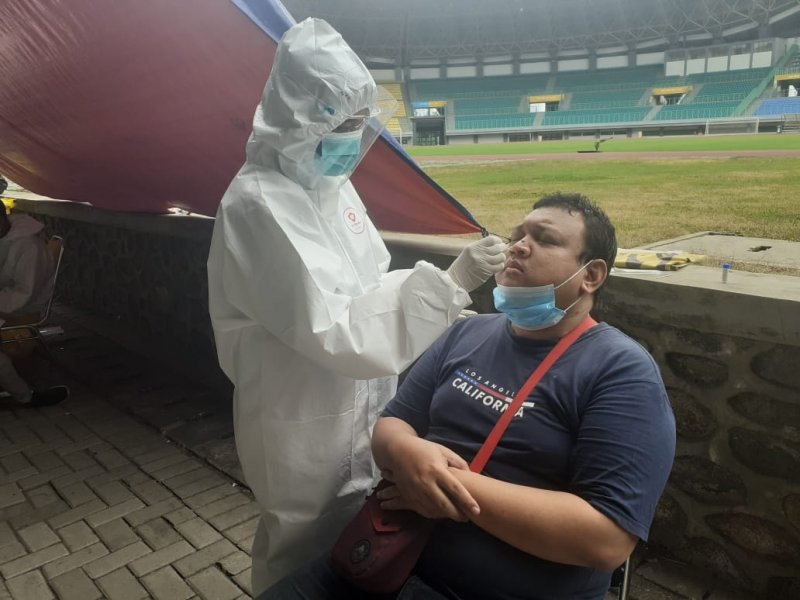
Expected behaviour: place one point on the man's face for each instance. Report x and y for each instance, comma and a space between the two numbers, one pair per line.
545, 248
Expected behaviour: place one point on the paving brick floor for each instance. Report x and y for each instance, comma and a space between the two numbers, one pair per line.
96, 504
131, 489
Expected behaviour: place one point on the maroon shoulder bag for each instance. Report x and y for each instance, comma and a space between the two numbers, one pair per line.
378, 549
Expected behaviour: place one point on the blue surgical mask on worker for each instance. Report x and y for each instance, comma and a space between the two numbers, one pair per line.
337, 153
532, 308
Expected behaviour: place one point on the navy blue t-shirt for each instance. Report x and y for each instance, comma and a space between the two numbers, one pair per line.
598, 425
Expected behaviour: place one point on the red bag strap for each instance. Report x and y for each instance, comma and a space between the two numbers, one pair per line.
482, 457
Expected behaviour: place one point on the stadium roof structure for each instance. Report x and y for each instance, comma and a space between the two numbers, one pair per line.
417, 32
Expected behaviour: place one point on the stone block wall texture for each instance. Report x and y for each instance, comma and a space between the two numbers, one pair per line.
732, 504
156, 283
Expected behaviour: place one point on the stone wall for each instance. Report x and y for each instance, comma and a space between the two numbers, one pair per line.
733, 500
729, 355
148, 270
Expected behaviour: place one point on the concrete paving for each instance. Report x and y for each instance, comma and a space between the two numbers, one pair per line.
131, 488
735, 248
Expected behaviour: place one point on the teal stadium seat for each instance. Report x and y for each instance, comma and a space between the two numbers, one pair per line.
596, 116
594, 98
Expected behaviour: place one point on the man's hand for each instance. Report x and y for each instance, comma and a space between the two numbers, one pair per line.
424, 484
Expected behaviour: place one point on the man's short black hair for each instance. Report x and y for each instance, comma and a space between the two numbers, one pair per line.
600, 237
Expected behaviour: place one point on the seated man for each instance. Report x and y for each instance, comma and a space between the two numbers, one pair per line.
574, 482
26, 281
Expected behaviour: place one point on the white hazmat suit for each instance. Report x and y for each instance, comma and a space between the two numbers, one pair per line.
309, 325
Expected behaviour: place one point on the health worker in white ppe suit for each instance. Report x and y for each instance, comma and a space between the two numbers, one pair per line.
309, 325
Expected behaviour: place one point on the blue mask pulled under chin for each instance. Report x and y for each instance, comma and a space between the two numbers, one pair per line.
337, 153
532, 308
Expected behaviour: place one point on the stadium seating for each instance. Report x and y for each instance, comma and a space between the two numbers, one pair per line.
682, 112
399, 123
607, 96
488, 106
608, 79
592, 117
606, 99
495, 122
718, 96
779, 106
477, 87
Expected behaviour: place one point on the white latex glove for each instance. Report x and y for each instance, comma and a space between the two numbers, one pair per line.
465, 314
477, 262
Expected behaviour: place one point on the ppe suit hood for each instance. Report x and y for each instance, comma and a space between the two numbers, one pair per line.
22, 226
316, 83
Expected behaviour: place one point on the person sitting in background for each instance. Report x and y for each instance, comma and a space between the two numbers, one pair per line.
26, 281
574, 482
26, 267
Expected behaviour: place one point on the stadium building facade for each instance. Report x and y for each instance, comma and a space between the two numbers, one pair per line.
469, 72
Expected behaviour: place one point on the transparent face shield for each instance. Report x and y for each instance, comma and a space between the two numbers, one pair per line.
340, 152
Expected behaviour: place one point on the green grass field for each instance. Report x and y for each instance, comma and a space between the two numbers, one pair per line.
654, 144
648, 199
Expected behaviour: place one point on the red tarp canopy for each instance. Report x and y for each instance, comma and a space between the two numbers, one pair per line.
141, 106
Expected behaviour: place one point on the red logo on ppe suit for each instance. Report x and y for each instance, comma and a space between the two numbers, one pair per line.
354, 221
